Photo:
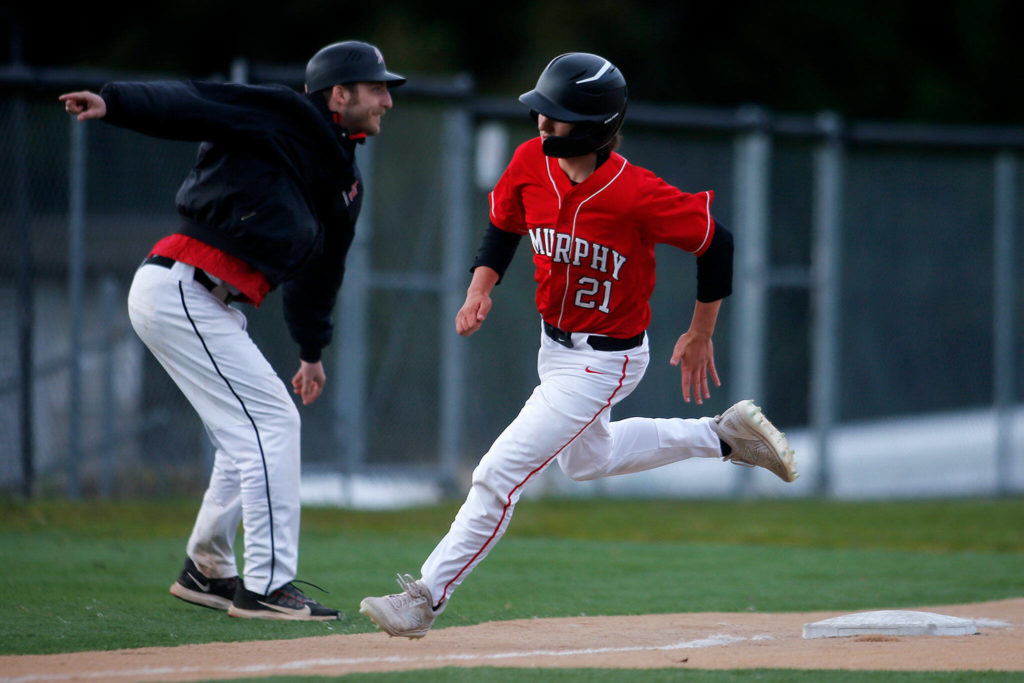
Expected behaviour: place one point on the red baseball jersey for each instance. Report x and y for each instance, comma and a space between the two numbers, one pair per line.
593, 243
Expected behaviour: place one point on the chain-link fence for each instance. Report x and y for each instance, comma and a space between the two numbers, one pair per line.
878, 275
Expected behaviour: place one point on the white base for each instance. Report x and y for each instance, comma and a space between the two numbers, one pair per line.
893, 623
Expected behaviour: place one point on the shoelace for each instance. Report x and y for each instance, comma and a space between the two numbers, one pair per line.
411, 594
297, 590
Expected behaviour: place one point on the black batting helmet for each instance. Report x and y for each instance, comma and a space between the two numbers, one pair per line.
350, 61
584, 89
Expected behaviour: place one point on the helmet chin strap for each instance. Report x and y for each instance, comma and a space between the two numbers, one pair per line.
564, 147
585, 137
579, 142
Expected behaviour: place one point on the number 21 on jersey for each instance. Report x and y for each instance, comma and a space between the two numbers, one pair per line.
592, 291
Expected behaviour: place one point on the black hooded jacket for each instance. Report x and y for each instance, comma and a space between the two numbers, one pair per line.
275, 184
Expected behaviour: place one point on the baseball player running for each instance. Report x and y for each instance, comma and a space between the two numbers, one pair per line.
271, 201
592, 220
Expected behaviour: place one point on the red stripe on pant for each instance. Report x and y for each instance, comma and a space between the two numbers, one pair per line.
508, 501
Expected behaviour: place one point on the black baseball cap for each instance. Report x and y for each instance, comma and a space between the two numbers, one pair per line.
349, 61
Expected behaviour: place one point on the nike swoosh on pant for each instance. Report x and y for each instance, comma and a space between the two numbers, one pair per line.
594, 372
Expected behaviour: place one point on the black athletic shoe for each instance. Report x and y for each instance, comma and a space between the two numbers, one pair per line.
287, 602
195, 587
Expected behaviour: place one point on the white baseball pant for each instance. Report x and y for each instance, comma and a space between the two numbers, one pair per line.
567, 418
249, 416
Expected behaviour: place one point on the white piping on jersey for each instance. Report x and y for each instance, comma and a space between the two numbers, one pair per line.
568, 264
707, 212
600, 72
554, 185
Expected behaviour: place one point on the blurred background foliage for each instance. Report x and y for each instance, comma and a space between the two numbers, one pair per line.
951, 61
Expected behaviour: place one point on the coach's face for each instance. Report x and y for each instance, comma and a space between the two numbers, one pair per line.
361, 106
548, 127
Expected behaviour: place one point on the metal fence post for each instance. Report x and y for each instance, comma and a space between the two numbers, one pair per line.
1004, 366
458, 126
350, 354
76, 277
827, 228
751, 178
26, 295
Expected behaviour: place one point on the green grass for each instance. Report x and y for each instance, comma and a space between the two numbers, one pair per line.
84, 576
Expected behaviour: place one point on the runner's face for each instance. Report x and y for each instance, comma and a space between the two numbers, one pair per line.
548, 127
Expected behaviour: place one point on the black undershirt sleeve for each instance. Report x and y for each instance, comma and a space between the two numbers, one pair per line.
714, 267
496, 250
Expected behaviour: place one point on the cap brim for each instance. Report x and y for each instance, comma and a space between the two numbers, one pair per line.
392, 80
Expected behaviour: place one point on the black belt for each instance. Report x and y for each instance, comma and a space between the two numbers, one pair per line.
596, 342
200, 276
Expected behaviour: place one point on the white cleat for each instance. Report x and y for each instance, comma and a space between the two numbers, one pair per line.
755, 442
410, 613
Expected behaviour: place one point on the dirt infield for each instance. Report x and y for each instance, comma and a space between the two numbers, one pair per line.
707, 640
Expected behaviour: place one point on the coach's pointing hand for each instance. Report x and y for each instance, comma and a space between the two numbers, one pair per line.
84, 104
